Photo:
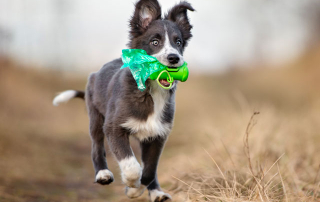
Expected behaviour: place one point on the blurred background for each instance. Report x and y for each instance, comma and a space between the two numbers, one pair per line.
245, 56
80, 35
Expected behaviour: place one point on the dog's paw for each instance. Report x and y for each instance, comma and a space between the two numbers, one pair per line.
104, 177
131, 172
135, 192
159, 196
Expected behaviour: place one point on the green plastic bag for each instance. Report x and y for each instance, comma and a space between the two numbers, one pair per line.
142, 66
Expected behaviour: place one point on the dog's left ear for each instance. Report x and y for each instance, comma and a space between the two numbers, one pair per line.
178, 14
145, 12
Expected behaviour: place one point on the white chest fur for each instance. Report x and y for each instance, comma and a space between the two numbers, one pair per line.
153, 126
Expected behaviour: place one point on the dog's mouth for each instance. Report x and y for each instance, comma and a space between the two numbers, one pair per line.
164, 82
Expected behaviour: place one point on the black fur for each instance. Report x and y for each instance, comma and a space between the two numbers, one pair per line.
138, 24
80, 94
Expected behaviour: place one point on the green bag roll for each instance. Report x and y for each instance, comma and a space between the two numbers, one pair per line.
143, 66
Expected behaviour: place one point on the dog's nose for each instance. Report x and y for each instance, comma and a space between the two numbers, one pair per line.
173, 58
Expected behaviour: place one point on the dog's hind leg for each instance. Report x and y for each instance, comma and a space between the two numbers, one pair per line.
150, 151
103, 174
118, 140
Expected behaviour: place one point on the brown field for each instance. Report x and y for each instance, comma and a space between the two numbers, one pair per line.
45, 150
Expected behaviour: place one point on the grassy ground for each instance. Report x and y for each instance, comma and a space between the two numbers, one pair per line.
45, 151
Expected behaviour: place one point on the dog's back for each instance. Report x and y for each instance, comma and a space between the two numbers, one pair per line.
102, 83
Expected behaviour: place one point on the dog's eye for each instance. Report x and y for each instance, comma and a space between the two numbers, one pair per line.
155, 42
178, 42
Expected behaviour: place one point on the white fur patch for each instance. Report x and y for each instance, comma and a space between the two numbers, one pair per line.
156, 193
131, 171
64, 97
167, 49
104, 175
145, 13
135, 192
153, 126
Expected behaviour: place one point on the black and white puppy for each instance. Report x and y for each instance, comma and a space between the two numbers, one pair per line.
117, 109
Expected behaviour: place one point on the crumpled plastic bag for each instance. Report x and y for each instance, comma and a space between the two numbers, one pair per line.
141, 65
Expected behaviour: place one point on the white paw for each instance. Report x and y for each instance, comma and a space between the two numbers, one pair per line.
131, 172
159, 196
104, 177
135, 192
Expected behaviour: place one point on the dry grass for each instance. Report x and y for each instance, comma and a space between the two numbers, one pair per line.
219, 150
271, 156
264, 182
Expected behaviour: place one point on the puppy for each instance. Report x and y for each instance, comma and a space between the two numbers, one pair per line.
117, 109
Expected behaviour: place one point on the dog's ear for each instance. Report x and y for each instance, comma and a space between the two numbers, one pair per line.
145, 12
178, 14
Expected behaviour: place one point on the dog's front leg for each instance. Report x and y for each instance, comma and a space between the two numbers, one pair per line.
150, 151
118, 140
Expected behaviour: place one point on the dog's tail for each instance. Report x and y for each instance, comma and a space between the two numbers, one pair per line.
67, 95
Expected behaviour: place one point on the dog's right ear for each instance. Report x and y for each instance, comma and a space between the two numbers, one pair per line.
145, 12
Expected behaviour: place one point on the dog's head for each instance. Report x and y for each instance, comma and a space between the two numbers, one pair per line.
165, 38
